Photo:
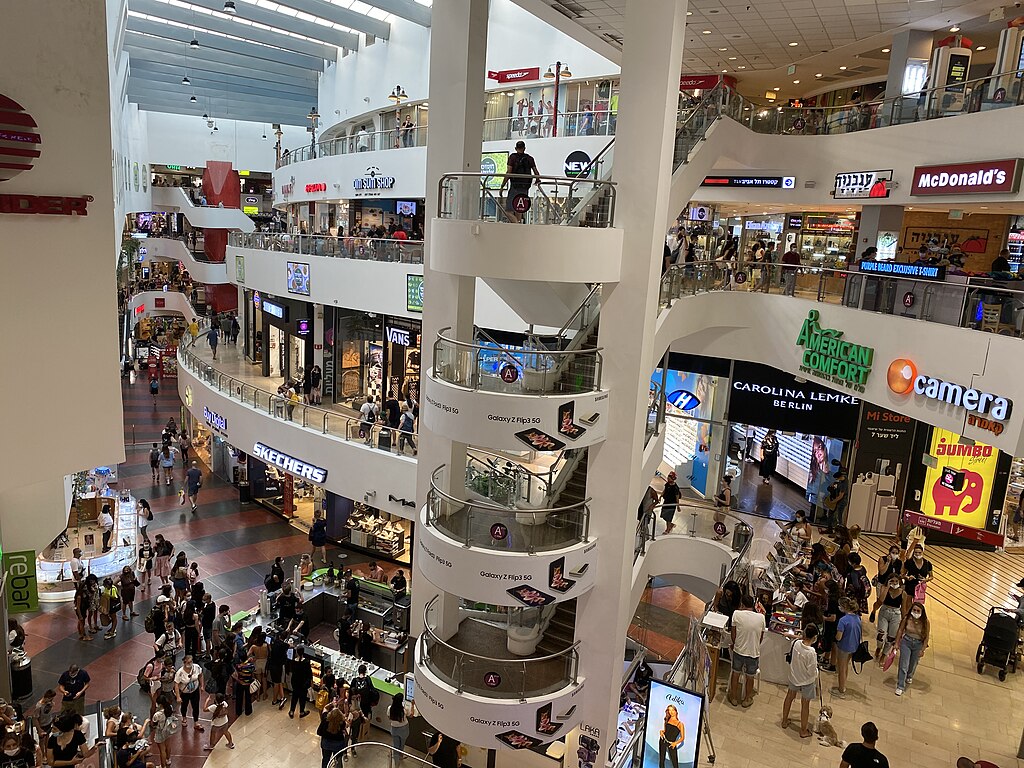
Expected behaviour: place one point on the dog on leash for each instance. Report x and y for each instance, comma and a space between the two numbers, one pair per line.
827, 735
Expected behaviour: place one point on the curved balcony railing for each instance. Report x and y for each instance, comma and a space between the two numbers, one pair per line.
368, 141
321, 420
981, 304
365, 248
517, 198
693, 520
517, 678
538, 371
529, 530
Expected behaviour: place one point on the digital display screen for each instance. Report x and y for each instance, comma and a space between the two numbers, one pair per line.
414, 293
496, 163
952, 479
672, 727
956, 72
298, 278
405, 207
410, 688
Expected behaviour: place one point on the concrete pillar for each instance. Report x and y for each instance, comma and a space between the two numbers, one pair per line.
911, 44
458, 46
643, 170
878, 219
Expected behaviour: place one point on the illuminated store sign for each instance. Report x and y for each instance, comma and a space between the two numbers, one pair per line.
287, 189
919, 271
903, 377
289, 463
215, 420
514, 75
372, 181
976, 463
398, 336
318, 187
278, 311
760, 182
414, 293
828, 356
967, 178
862, 184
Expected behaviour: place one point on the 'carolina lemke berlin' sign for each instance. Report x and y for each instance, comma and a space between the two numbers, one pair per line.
827, 356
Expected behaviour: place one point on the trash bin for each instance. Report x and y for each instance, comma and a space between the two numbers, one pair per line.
21, 678
741, 534
244, 492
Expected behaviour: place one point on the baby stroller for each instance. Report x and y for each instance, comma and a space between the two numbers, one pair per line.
1000, 646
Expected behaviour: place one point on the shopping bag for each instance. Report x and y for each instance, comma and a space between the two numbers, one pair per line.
920, 591
890, 657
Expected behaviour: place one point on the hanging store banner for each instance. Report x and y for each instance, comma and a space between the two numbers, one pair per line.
858, 185
977, 462
22, 590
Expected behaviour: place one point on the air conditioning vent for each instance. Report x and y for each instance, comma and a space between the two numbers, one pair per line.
569, 8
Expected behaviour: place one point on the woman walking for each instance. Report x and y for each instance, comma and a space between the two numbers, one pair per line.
217, 706
167, 463
913, 642
164, 724
163, 551
126, 585
92, 587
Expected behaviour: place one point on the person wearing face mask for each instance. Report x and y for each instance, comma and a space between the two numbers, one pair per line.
917, 572
801, 528
912, 640
889, 565
889, 607
15, 755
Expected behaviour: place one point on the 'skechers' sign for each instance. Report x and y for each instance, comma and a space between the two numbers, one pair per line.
288, 463
967, 178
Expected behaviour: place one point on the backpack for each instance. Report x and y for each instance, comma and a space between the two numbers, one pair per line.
142, 678
154, 455
149, 622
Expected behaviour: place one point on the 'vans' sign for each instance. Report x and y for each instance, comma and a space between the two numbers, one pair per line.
967, 178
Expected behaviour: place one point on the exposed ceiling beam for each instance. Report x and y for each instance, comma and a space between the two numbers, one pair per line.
236, 112
404, 9
333, 13
215, 91
572, 28
220, 84
228, 26
276, 20
182, 36
136, 42
221, 73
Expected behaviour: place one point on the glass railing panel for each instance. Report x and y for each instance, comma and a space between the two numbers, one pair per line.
364, 248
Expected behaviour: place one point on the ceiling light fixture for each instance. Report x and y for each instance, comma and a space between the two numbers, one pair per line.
689, 13
229, 7
886, 50
981, 48
818, 74
195, 43
793, 45
776, 88
723, 49
954, 28
842, 69
193, 99
706, 32
732, 58
796, 82
742, 66
186, 81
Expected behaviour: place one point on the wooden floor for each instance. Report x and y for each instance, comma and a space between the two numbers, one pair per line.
968, 582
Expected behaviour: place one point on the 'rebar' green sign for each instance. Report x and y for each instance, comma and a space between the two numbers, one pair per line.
22, 591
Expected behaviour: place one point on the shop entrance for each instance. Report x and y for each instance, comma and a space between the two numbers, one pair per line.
277, 355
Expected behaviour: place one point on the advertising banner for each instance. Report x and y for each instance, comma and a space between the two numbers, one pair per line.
672, 727
770, 398
978, 462
967, 178
689, 394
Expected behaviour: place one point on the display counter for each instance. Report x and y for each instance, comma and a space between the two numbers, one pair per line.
773, 583
377, 532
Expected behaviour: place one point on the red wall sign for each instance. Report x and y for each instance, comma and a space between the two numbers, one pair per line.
967, 178
515, 75
318, 187
703, 82
140, 309
160, 303
49, 204
947, 526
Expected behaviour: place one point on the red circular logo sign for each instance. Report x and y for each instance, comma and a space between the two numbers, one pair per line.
720, 528
908, 299
492, 679
499, 531
741, 278
521, 203
19, 142
509, 373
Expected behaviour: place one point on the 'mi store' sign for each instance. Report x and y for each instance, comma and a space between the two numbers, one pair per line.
828, 356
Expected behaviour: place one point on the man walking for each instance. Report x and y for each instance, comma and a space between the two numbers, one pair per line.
521, 170
193, 481
748, 630
154, 461
864, 755
214, 338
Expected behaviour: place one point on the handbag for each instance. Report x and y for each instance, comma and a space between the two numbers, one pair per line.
789, 655
254, 687
889, 659
860, 656
920, 591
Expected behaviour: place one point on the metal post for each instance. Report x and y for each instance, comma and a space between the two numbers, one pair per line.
554, 112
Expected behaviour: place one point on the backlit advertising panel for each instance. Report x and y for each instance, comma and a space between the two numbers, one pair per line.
672, 727
978, 462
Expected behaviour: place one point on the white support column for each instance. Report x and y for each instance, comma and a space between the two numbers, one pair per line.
643, 170
458, 46
875, 219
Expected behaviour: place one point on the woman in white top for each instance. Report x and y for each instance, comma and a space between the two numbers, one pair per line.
217, 706
188, 683
803, 678
398, 716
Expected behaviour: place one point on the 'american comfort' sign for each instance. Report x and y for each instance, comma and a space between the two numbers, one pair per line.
986, 177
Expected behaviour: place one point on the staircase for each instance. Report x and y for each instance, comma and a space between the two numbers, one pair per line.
574, 490
561, 631
580, 372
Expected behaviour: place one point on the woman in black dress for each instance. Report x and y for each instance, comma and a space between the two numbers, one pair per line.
769, 455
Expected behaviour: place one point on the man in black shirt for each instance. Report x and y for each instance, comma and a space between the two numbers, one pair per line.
351, 591
286, 604
392, 410
864, 755
520, 168
399, 584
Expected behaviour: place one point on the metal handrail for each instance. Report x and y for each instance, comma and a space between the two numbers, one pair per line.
395, 757
552, 352
345, 247
498, 510
579, 310
570, 655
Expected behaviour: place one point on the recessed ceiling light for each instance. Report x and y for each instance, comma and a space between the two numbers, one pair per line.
981, 48
706, 32
818, 74
724, 71
742, 66
723, 49
984, 207
793, 45
886, 50
954, 28
776, 88
842, 69
732, 58
689, 13
796, 82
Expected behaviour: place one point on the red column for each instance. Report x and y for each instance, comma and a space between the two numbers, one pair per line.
220, 185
